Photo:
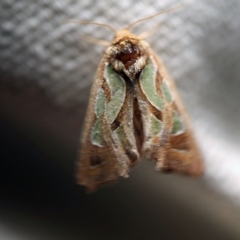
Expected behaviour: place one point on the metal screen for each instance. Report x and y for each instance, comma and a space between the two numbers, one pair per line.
47, 70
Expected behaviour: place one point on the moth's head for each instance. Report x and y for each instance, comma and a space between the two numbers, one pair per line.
128, 53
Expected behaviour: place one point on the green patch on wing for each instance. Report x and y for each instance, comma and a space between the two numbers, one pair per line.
122, 136
118, 92
148, 84
100, 103
97, 133
178, 126
97, 130
156, 125
166, 91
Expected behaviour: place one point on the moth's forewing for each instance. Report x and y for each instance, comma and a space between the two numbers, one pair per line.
183, 154
168, 138
108, 144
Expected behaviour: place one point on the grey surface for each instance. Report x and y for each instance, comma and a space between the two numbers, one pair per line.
46, 73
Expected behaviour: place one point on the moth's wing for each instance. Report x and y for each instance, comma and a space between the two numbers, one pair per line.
108, 146
168, 137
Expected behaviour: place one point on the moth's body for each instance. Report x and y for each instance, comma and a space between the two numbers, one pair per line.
134, 111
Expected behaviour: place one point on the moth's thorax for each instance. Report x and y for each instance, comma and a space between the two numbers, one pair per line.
128, 53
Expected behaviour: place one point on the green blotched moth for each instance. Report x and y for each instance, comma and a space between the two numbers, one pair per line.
134, 111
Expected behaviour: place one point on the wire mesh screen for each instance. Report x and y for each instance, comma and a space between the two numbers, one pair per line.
47, 70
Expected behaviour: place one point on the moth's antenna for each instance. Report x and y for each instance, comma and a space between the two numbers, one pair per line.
148, 33
152, 16
91, 23
95, 41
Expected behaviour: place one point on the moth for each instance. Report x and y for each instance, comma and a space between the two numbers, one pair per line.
134, 111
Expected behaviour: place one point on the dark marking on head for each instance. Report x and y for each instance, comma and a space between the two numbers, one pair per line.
128, 55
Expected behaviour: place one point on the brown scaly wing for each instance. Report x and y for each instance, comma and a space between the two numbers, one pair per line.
108, 145
183, 154
168, 138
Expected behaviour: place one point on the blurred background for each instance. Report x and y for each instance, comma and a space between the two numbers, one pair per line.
45, 76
